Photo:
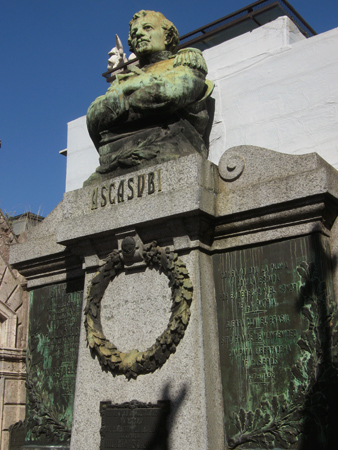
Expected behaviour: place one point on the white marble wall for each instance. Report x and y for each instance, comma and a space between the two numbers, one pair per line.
273, 89
276, 90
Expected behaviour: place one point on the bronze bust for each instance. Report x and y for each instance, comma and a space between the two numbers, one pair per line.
153, 112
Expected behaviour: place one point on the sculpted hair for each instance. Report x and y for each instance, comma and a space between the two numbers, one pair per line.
171, 31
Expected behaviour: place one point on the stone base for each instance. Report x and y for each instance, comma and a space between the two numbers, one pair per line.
202, 214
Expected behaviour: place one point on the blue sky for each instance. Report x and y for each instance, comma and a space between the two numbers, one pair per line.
52, 55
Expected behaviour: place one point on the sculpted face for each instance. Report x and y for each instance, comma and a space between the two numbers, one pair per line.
147, 35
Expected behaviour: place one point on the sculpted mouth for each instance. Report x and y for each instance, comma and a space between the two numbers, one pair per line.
142, 44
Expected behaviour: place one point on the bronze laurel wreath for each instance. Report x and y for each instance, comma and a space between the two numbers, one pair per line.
136, 363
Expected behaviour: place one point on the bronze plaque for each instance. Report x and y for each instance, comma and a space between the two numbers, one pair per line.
134, 425
53, 342
272, 306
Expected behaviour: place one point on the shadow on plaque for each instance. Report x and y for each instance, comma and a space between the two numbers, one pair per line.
138, 425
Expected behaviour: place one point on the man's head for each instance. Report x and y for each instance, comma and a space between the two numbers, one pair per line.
151, 32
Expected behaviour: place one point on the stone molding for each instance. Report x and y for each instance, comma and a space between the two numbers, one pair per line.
13, 335
8, 320
13, 363
275, 195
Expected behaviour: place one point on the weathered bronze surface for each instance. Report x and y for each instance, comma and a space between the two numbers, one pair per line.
54, 328
154, 112
277, 324
137, 362
17, 435
134, 425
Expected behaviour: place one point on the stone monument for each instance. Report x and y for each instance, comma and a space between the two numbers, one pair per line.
209, 314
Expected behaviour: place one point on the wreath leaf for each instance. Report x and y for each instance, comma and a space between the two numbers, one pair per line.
135, 363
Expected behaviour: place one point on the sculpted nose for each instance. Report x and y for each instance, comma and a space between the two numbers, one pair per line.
139, 32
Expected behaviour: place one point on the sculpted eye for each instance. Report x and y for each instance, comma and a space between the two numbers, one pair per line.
147, 27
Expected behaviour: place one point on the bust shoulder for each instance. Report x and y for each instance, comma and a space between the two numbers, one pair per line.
187, 57
191, 57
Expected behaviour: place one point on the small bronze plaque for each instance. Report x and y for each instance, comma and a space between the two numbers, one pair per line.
134, 425
273, 302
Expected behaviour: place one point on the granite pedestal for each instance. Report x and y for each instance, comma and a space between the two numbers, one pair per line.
253, 243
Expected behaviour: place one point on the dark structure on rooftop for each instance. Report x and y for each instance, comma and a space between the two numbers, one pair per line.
239, 22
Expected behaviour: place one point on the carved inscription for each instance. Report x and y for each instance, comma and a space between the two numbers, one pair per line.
55, 315
278, 328
134, 425
127, 189
259, 321
262, 332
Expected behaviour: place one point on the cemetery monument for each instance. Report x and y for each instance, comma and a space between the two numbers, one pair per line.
176, 304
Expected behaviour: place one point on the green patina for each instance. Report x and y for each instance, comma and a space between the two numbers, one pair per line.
135, 363
155, 111
54, 327
277, 328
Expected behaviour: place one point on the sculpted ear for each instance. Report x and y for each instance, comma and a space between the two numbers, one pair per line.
169, 38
